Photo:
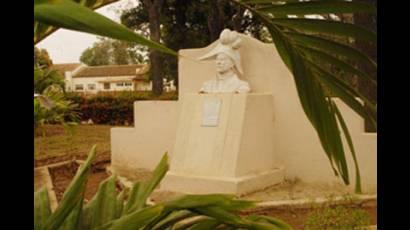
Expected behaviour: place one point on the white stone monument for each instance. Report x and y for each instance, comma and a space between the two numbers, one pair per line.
224, 136
234, 139
224, 145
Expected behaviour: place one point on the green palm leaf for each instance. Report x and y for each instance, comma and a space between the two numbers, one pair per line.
120, 203
269, 2
201, 224
301, 51
134, 220
320, 7
189, 202
169, 220
330, 47
358, 186
230, 219
143, 190
324, 57
277, 222
42, 210
72, 221
198, 223
42, 30
105, 207
316, 107
70, 15
213, 211
132, 198
327, 27
222, 200
72, 195
345, 92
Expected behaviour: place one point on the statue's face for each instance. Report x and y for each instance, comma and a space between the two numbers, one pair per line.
223, 63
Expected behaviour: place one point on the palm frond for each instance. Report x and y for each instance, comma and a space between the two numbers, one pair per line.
307, 45
73, 16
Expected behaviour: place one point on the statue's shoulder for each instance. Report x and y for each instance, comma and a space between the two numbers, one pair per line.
209, 82
243, 86
207, 86
241, 82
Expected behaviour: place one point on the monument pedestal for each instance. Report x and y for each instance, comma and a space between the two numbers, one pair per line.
224, 145
231, 185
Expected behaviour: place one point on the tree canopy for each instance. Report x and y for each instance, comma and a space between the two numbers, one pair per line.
41, 58
188, 24
113, 52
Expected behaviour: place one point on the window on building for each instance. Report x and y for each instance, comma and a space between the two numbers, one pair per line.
91, 86
106, 85
128, 83
120, 84
79, 87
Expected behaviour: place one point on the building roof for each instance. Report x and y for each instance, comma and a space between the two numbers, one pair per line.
137, 70
62, 68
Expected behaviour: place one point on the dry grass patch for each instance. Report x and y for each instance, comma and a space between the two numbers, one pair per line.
56, 142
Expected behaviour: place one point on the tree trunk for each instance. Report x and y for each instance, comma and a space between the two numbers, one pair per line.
156, 59
237, 19
215, 19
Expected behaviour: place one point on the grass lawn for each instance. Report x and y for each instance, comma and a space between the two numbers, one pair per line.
57, 142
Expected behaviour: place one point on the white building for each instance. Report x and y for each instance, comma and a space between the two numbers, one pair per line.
93, 79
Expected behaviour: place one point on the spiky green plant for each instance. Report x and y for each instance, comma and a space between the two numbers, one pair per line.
109, 209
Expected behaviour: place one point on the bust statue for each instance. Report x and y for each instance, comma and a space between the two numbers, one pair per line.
228, 66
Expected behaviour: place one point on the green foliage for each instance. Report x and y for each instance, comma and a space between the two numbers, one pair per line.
52, 108
70, 15
97, 55
42, 30
44, 77
112, 52
110, 210
113, 108
294, 39
41, 58
337, 218
185, 24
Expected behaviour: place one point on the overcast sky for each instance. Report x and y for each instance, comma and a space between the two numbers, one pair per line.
66, 46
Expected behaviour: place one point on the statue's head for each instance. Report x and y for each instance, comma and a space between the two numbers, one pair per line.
224, 63
226, 52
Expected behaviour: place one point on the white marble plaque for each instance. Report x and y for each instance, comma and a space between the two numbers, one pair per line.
210, 113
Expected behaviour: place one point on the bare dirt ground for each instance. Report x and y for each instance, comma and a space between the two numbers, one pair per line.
296, 189
57, 143
62, 176
56, 159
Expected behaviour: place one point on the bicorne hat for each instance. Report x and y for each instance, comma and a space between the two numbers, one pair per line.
229, 42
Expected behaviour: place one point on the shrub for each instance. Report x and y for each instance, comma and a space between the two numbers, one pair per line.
52, 108
45, 77
337, 218
113, 108
109, 210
